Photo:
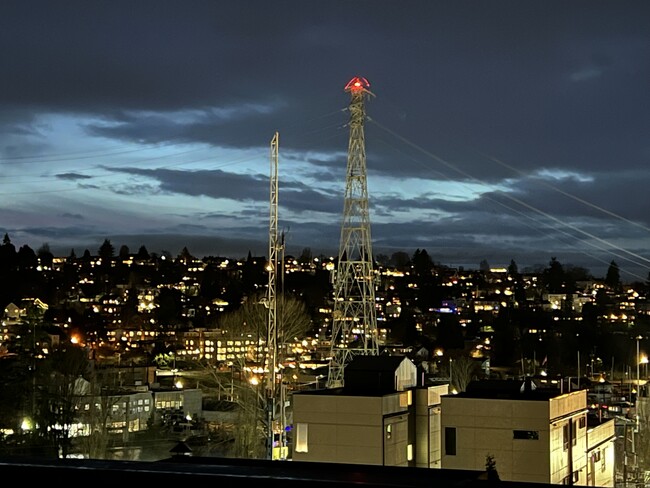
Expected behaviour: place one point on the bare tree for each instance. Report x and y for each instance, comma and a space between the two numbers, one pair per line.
460, 371
57, 380
94, 405
251, 319
242, 380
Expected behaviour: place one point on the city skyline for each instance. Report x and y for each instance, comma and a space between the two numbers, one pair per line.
500, 130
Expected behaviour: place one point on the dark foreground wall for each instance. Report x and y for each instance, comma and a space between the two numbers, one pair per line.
193, 472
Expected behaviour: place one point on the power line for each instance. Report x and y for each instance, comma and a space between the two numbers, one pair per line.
512, 198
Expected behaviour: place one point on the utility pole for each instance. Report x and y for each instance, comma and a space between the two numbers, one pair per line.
354, 319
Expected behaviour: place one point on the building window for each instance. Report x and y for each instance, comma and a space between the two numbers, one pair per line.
525, 434
409, 452
565, 437
406, 398
389, 431
450, 441
302, 433
583, 422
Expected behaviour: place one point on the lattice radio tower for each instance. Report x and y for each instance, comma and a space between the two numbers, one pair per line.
354, 318
275, 393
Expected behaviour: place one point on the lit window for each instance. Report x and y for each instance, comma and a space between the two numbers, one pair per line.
405, 398
302, 434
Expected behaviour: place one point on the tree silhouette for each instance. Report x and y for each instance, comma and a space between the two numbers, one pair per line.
7, 254
513, 270
45, 256
422, 262
613, 277
124, 252
491, 468
305, 256
27, 259
143, 254
403, 328
554, 277
106, 250
400, 259
239, 382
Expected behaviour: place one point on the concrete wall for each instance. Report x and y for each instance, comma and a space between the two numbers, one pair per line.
485, 427
600, 454
568, 456
560, 448
352, 429
427, 426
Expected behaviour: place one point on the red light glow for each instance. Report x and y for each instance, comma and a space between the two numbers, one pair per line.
357, 84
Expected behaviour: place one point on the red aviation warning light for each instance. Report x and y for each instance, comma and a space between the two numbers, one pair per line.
357, 84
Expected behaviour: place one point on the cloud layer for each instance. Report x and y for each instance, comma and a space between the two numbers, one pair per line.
499, 130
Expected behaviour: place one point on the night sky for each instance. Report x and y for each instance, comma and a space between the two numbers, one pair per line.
499, 130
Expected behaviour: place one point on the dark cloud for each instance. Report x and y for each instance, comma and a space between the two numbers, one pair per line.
72, 176
540, 104
213, 183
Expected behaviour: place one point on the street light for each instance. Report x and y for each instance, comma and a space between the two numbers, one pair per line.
638, 363
638, 385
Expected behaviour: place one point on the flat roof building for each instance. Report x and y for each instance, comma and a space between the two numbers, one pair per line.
530, 434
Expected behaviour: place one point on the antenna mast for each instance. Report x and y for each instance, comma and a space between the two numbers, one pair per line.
274, 388
354, 318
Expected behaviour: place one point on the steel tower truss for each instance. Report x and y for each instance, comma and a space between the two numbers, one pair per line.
276, 439
354, 318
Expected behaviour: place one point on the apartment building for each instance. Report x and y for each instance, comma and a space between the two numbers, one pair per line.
531, 434
380, 417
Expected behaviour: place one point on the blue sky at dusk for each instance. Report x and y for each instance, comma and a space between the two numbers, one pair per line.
500, 130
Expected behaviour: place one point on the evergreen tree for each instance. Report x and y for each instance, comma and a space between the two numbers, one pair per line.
124, 252
185, 256
513, 270
305, 256
613, 277
400, 259
7, 255
106, 250
27, 259
554, 277
45, 256
143, 254
422, 262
